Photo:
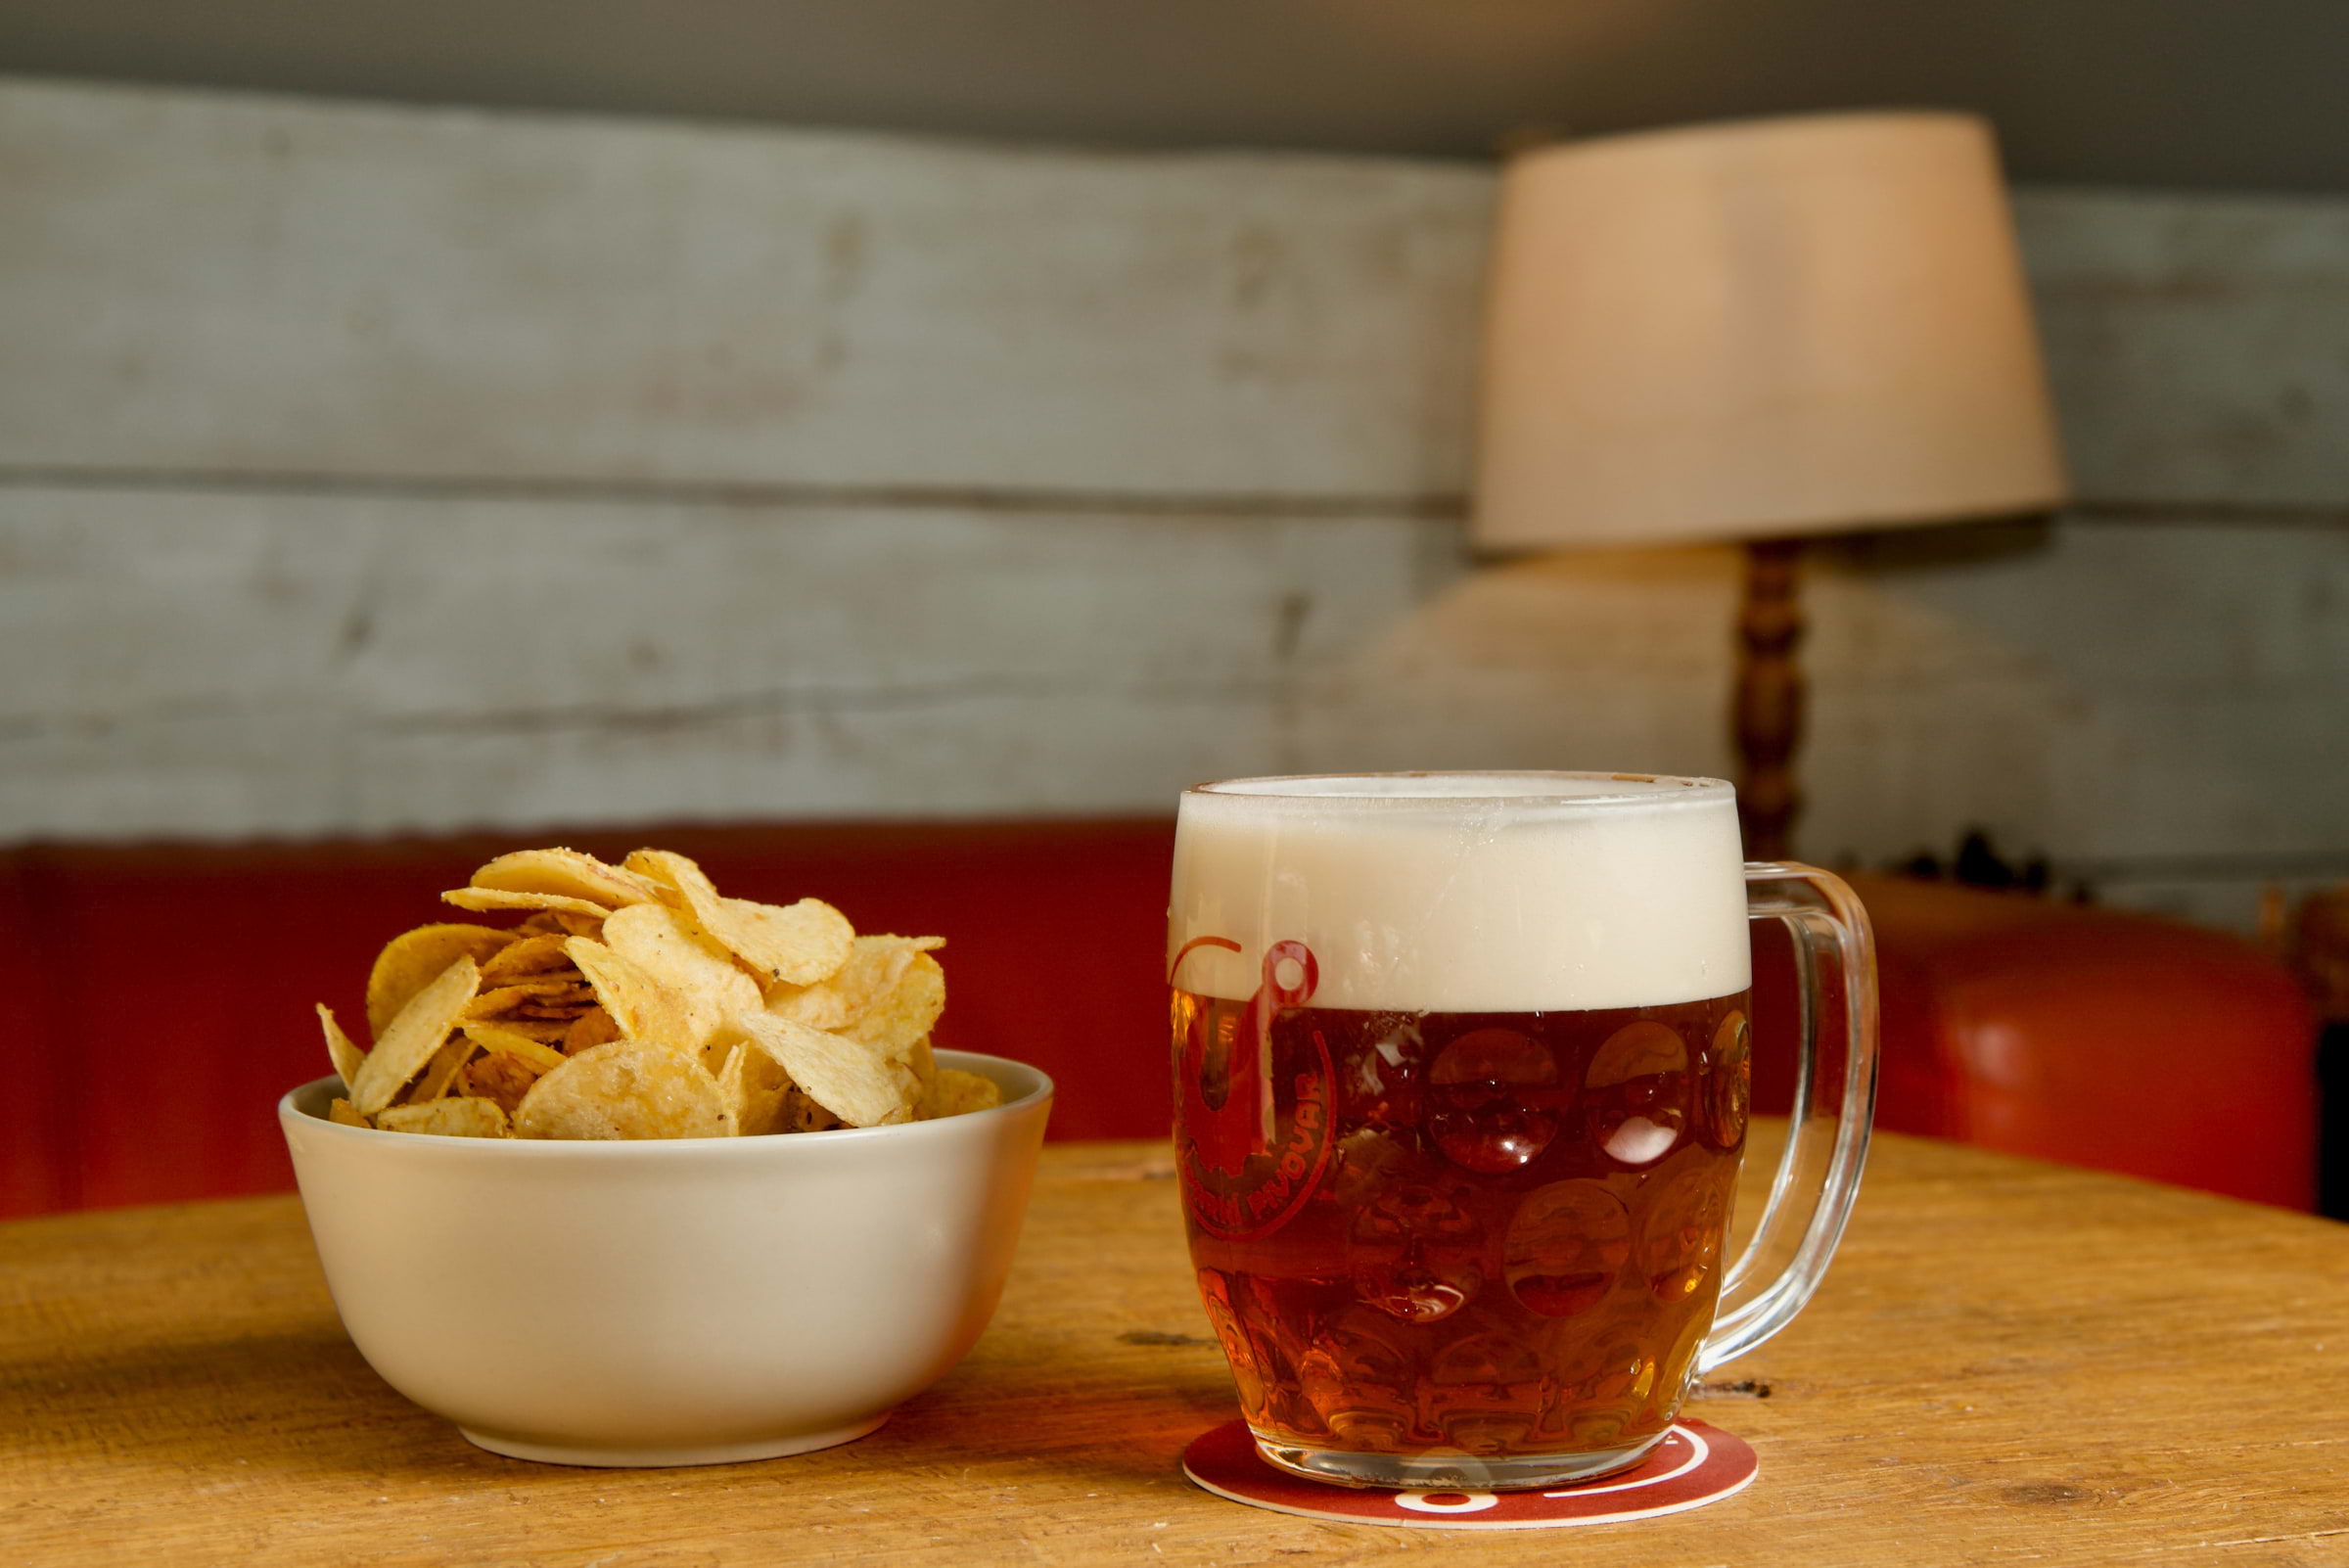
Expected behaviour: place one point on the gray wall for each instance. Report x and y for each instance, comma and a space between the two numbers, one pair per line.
365, 469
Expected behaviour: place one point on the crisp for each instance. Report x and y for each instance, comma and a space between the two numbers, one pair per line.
345, 1056
955, 1091
564, 873
639, 1001
485, 898
801, 945
456, 1119
627, 1089
500, 1041
846, 1077
412, 960
669, 946
408, 1042
641, 1007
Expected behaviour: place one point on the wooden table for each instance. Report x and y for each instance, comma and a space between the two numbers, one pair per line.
2009, 1362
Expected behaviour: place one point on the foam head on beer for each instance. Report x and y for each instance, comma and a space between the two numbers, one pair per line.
1465, 893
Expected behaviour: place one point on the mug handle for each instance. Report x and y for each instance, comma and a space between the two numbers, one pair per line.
1826, 1135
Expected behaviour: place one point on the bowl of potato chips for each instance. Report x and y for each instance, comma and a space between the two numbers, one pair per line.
651, 1176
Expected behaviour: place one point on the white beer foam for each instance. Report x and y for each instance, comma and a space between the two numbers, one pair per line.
1466, 893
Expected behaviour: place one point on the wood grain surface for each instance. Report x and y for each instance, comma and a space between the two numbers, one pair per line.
2009, 1362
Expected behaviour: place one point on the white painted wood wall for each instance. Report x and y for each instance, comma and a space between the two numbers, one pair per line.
366, 469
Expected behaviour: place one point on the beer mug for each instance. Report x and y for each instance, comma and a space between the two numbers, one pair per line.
1461, 1070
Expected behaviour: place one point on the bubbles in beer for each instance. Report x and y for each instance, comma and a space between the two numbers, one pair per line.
1414, 1252
1677, 1374
1494, 1100
1485, 1390
1360, 1379
1415, 1292
1636, 1092
1620, 1395
1566, 1245
1380, 1081
1417, 1210
1603, 1384
1684, 1216
1215, 1291
1730, 1089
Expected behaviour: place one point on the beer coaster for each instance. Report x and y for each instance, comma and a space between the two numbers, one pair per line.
1695, 1464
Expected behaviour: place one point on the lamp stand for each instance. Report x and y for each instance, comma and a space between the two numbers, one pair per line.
1767, 713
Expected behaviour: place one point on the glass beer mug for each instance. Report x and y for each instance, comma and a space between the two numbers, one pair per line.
1460, 1077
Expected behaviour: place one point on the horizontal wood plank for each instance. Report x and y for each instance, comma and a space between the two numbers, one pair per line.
230, 664
2198, 346
2088, 690
236, 664
219, 284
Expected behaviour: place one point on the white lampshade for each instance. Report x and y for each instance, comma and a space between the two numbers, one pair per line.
1752, 330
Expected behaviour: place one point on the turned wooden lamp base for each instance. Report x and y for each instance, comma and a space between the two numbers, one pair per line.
1767, 713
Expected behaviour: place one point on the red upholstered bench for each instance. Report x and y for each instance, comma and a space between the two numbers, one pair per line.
154, 1000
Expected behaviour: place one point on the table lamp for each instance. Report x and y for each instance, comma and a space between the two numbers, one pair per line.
1753, 332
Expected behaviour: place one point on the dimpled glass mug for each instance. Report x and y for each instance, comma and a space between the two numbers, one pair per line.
1460, 1075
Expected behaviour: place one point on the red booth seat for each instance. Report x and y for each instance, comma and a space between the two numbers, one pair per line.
155, 1000
2093, 1038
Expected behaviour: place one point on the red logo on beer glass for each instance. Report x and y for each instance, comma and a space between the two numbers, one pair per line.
1253, 1098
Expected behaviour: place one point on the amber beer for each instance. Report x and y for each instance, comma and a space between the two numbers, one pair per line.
1461, 1090
1508, 1238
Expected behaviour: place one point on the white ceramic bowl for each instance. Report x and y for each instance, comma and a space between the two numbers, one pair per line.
696, 1300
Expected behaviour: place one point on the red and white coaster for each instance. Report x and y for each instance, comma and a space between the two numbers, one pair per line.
1695, 1464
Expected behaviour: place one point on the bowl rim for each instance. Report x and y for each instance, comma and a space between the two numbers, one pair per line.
289, 1114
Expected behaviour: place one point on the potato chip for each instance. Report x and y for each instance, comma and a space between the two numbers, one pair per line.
567, 874
669, 946
528, 958
955, 1091
453, 1118
485, 898
678, 878
562, 1010
411, 1037
802, 1115
626, 1089
502, 1041
498, 1077
489, 1003
643, 1009
568, 988
908, 996
756, 1089
545, 1030
818, 1006
441, 1070
413, 959
636, 1001
799, 944
846, 1077
888, 994
339, 1110
594, 1028
345, 1056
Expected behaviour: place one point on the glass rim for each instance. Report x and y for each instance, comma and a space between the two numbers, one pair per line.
1397, 789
